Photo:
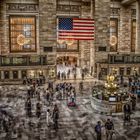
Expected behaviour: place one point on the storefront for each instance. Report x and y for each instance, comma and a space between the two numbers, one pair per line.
18, 67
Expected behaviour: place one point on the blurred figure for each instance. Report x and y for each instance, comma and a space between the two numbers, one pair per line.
98, 130
55, 116
109, 126
127, 112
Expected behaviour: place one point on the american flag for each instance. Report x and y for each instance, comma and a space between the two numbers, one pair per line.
75, 28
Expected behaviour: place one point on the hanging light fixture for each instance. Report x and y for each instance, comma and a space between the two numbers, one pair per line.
60, 41
69, 41
113, 38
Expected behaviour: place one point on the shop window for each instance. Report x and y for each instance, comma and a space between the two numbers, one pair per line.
133, 36
15, 74
6, 75
121, 71
22, 34
113, 32
23, 74
102, 49
128, 71
48, 49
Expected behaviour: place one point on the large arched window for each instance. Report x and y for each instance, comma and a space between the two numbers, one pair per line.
133, 35
22, 33
114, 32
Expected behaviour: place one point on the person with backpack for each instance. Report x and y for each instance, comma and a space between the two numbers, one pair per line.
109, 126
98, 130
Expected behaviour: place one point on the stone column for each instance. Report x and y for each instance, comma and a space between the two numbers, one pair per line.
101, 17
137, 50
125, 71
92, 46
85, 45
2, 75
11, 75
19, 74
125, 30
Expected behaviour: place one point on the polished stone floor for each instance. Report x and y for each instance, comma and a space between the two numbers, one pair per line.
74, 123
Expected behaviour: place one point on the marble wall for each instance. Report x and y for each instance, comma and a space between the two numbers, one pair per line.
47, 13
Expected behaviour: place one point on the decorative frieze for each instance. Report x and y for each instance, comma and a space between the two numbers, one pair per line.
16, 7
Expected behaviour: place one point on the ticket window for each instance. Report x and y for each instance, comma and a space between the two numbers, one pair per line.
6, 75
52, 73
15, 74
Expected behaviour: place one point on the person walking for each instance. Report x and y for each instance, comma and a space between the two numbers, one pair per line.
133, 101
98, 130
55, 116
48, 114
38, 110
109, 126
127, 112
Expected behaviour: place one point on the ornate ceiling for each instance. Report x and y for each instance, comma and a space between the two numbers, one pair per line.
127, 2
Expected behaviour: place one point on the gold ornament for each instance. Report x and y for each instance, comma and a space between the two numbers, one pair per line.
21, 39
113, 40
69, 41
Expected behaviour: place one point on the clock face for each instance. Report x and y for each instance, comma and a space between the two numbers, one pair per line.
21, 39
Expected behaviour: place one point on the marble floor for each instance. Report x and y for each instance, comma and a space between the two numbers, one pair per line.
75, 123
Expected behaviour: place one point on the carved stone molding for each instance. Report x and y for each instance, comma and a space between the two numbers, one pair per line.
67, 8
115, 11
16, 7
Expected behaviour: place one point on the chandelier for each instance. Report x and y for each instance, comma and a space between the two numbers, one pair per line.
110, 85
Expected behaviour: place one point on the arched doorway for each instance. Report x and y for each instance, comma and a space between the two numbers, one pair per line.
66, 66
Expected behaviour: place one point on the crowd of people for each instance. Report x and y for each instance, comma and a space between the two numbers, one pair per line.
74, 72
60, 91
38, 81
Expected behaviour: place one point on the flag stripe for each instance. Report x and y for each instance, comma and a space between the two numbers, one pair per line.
82, 25
76, 35
88, 19
78, 32
85, 28
77, 38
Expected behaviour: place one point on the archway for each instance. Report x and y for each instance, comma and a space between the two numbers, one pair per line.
66, 66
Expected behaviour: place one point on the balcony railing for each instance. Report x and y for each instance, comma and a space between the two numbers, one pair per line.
124, 59
26, 60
